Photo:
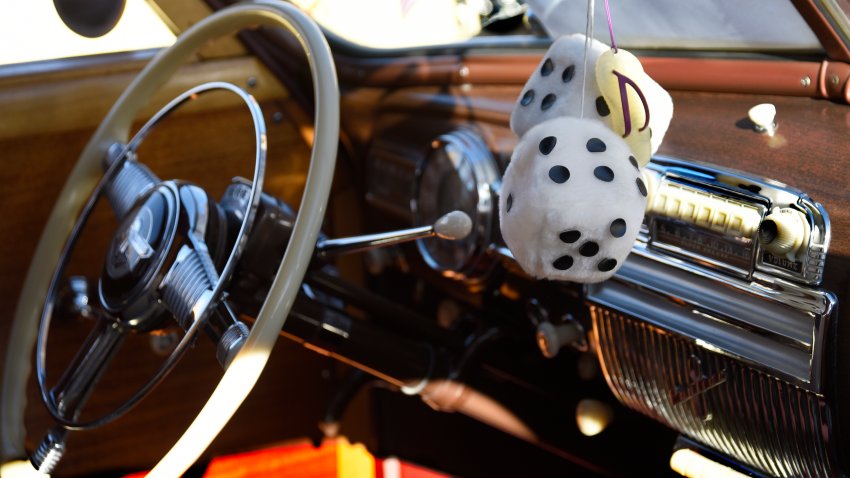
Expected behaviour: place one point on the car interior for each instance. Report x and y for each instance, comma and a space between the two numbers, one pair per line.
291, 222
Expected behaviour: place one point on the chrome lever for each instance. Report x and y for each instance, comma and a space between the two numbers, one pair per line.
453, 226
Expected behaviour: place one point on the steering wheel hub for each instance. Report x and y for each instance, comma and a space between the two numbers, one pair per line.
139, 248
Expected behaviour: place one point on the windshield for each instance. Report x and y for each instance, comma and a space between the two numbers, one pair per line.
709, 25
752, 25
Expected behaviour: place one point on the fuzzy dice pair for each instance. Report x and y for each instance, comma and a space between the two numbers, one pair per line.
573, 198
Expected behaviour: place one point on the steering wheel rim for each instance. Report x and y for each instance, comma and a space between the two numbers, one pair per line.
247, 365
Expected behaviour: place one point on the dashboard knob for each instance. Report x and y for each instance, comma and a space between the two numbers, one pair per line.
784, 231
453, 226
551, 338
593, 416
763, 117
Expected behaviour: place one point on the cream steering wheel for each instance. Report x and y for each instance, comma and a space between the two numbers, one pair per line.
245, 368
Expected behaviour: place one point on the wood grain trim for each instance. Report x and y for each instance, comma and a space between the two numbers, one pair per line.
681, 74
834, 81
787, 78
180, 15
395, 72
828, 37
47, 104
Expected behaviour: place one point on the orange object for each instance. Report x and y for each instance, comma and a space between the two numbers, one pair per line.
334, 459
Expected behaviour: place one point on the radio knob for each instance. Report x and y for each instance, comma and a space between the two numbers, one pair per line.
784, 231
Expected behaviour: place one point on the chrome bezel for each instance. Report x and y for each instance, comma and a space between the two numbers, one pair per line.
485, 174
762, 194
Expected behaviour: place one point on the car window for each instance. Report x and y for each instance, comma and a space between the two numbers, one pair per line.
32, 30
753, 25
397, 23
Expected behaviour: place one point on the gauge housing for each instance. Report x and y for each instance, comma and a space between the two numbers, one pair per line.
458, 173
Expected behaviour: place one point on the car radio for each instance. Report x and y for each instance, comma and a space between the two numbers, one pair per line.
732, 222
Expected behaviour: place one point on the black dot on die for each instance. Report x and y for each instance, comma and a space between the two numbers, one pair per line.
548, 101
527, 98
563, 263
604, 173
618, 227
547, 68
634, 162
596, 145
568, 73
602, 107
570, 237
559, 174
509, 203
547, 144
606, 265
588, 249
641, 187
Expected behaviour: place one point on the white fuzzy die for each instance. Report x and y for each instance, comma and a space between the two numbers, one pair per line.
555, 87
548, 94
645, 132
572, 201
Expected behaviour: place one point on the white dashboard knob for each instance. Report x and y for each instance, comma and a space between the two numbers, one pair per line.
763, 117
551, 338
593, 416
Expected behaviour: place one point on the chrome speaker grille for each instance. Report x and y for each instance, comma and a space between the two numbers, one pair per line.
762, 421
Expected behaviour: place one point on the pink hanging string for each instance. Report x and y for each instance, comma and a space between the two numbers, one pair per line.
610, 26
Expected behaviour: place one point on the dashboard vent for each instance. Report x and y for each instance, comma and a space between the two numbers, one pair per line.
760, 420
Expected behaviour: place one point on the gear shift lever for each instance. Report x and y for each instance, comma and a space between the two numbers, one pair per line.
453, 226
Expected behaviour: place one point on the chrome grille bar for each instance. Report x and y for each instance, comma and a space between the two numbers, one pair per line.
762, 421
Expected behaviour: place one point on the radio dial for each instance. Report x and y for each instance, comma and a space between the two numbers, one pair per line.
704, 209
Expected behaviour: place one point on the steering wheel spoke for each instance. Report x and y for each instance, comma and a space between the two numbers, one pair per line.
187, 288
80, 377
131, 182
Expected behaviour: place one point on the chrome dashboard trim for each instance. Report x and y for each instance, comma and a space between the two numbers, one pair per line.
772, 325
770, 426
